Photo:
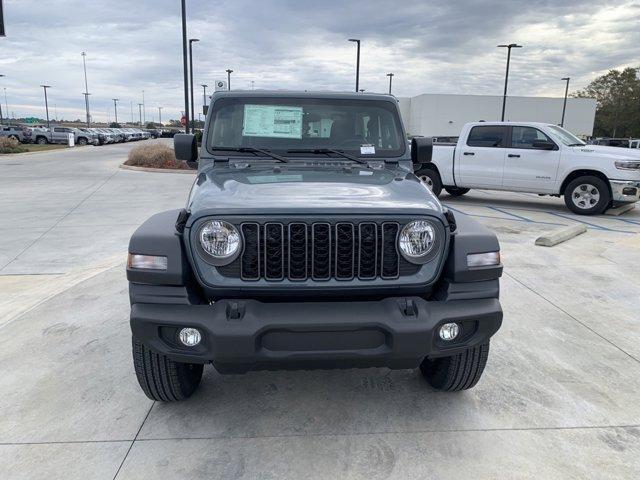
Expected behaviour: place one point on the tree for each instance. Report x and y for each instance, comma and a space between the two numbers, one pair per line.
617, 94
114, 125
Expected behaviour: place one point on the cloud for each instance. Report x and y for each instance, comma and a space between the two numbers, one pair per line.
431, 47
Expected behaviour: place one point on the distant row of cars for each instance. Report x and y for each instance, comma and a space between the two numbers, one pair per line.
616, 142
82, 136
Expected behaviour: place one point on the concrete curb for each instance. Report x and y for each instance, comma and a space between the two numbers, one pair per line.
53, 150
24, 292
620, 210
562, 235
156, 170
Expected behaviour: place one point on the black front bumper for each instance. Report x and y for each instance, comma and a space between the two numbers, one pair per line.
242, 335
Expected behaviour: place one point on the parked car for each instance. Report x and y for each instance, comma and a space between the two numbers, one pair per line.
300, 250
611, 142
20, 134
538, 158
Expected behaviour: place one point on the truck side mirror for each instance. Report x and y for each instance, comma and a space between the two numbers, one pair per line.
421, 150
186, 148
543, 145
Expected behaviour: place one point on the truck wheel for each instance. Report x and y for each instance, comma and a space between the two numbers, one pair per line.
41, 140
587, 195
161, 378
82, 141
458, 372
456, 191
431, 179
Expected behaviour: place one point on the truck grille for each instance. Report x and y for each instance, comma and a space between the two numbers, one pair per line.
319, 251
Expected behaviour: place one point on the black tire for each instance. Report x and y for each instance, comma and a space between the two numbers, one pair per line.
456, 191
161, 378
431, 178
459, 372
82, 141
588, 195
41, 141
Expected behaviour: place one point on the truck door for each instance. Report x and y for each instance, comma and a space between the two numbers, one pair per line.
529, 168
480, 160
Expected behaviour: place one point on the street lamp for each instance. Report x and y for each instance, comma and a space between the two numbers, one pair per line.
115, 108
357, 62
86, 89
46, 103
140, 113
506, 77
184, 64
144, 110
390, 75
229, 71
564, 105
160, 115
204, 95
191, 41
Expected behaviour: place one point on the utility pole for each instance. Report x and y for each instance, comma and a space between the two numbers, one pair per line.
566, 94
204, 95
390, 75
229, 72
115, 108
184, 63
46, 103
5, 96
5, 101
144, 110
357, 41
506, 77
131, 107
160, 115
86, 89
140, 113
191, 41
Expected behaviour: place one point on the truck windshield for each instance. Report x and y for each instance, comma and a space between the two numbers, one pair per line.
306, 126
561, 135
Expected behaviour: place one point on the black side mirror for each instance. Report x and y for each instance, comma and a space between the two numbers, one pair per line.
421, 150
543, 145
186, 148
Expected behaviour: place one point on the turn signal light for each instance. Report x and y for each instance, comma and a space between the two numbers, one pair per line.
483, 259
146, 262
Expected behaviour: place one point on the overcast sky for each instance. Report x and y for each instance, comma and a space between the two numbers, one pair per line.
431, 47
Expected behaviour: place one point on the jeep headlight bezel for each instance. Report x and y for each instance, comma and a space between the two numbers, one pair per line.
418, 241
219, 242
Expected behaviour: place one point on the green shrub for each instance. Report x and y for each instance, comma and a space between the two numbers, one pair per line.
10, 145
155, 155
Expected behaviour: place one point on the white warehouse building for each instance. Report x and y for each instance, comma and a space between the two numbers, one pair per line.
440, 115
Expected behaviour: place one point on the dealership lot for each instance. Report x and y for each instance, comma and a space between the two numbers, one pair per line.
560, 397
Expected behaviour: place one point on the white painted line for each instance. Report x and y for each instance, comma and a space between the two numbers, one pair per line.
562, 235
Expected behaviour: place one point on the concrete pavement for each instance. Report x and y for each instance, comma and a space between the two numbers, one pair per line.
560, 397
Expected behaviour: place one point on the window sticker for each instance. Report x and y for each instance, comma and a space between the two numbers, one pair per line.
272, 121
367, 150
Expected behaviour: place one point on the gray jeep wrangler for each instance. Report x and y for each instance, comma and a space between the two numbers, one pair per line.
307, 242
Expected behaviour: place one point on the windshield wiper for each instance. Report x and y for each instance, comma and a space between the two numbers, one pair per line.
576, 145
327, 151
252, 150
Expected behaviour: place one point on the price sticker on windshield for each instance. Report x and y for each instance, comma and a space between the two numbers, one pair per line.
367, 150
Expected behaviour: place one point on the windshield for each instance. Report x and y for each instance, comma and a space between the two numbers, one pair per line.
368, 128
559, 134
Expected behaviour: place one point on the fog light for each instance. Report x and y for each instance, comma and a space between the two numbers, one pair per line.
449, 331
190, 337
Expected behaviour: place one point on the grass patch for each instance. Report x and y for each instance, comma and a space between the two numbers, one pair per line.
34, 147
11, 145
155, 155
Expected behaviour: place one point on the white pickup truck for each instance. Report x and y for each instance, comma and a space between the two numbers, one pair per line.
537, 158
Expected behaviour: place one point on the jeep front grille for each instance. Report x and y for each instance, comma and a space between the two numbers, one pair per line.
319, 251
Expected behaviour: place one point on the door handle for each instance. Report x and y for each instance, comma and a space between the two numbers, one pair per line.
513, 155
468, 153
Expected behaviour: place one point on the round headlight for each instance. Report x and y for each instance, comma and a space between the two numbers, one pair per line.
219, 239
417, 239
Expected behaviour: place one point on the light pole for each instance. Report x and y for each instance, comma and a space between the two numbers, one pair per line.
86, 88
566, 94
191, 41
144, 110
46, 103
357, 63
229, 71
204, 95
115, 108
160, 115
5, 101
5, 97
506, 77
184, 64
390, 75
140, 113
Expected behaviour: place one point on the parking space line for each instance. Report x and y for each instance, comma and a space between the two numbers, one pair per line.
503, 218
592, 225
510, 214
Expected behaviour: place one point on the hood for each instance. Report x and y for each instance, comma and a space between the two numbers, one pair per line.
310, 191
614, 153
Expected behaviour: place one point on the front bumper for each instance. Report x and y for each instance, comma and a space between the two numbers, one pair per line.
627, 191
243, 335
